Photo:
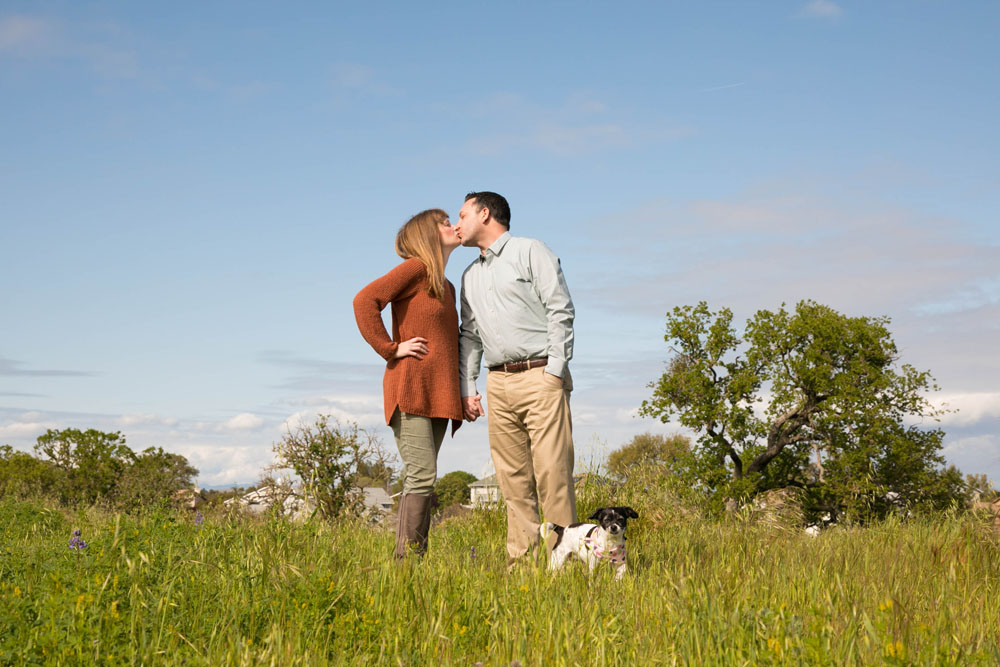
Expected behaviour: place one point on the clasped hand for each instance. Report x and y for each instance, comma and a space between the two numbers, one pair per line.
416, 347
472, 406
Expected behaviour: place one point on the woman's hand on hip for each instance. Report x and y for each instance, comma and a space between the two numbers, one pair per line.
415, 347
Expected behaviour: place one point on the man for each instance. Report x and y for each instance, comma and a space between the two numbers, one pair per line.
517, 317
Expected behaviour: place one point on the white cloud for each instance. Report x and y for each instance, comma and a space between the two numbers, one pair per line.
822, 9
968, 408
562, 140
509, 122
971, 296
98, 46
146, 420
25, 429
761, 250
355, 79
976, 455
23, 34
351, 75
227, 465
245, 421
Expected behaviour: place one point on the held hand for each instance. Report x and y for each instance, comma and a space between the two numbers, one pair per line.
473, 407
415, 347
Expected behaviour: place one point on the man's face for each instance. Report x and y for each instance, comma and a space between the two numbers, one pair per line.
470, 223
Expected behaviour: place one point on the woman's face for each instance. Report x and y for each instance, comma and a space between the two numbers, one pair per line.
449, 240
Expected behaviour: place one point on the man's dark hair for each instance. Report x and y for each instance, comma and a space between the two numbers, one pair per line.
498, 206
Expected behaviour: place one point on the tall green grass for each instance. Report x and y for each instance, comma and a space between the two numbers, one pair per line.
159, 589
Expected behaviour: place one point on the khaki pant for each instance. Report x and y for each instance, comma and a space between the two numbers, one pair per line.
419, 441
531, 440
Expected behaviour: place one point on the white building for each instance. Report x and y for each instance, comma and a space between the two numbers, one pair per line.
484, 492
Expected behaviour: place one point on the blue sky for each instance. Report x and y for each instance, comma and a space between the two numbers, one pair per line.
191, 195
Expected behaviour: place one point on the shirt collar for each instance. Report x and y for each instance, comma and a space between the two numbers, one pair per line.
498, 245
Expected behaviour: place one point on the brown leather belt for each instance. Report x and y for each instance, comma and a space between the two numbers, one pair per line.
520, 366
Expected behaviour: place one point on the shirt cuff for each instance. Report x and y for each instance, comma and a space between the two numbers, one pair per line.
556, 367
468, 389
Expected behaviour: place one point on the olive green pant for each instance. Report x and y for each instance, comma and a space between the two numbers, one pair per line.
419, 441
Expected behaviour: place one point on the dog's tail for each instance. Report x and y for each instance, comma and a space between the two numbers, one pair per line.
548, 528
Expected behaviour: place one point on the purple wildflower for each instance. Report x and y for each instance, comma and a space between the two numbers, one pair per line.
76, 543
472, 554
199, 519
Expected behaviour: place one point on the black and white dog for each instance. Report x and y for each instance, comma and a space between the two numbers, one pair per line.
591, 542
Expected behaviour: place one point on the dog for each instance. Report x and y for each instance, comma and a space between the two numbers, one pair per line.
591, 542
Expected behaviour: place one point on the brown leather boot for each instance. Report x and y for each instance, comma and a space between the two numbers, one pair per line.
401, 528
428, 504
421, 512
414, 523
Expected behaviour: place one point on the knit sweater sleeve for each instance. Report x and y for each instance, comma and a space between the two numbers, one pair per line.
370, 301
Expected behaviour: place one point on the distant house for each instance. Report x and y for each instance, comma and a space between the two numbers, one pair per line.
377, 499
257, 501
293, 505
189, 499
296, 506
484, 492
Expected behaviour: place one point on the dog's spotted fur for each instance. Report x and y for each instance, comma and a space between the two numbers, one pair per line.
591, 542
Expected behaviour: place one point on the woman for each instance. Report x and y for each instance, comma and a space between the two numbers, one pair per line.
421, 377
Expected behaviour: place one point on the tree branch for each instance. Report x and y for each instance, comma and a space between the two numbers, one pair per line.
737, 461
783, 432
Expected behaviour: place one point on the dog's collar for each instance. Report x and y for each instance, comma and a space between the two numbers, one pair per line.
615, 555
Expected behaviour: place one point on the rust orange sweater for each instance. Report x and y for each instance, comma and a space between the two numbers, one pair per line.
428, 386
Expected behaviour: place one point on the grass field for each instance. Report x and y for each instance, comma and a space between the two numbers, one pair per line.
161, 589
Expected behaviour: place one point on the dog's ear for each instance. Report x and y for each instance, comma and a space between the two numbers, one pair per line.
628, 512
596, 516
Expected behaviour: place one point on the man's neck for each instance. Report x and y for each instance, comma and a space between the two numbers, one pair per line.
489, 238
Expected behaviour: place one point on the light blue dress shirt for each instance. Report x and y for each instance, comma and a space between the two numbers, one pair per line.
515, 306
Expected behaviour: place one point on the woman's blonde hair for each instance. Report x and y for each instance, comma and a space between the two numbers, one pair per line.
421, 238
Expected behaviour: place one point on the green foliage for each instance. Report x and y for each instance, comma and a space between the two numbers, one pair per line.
24, 476
808, 398
79, 468
666, 453
91, 461
979, 487
375, 473
26, 518
154, 476
453, 488
160, 589
326, 456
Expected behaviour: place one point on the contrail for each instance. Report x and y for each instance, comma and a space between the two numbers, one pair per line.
728, 85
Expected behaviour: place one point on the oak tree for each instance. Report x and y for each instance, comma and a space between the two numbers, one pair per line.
810, 398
